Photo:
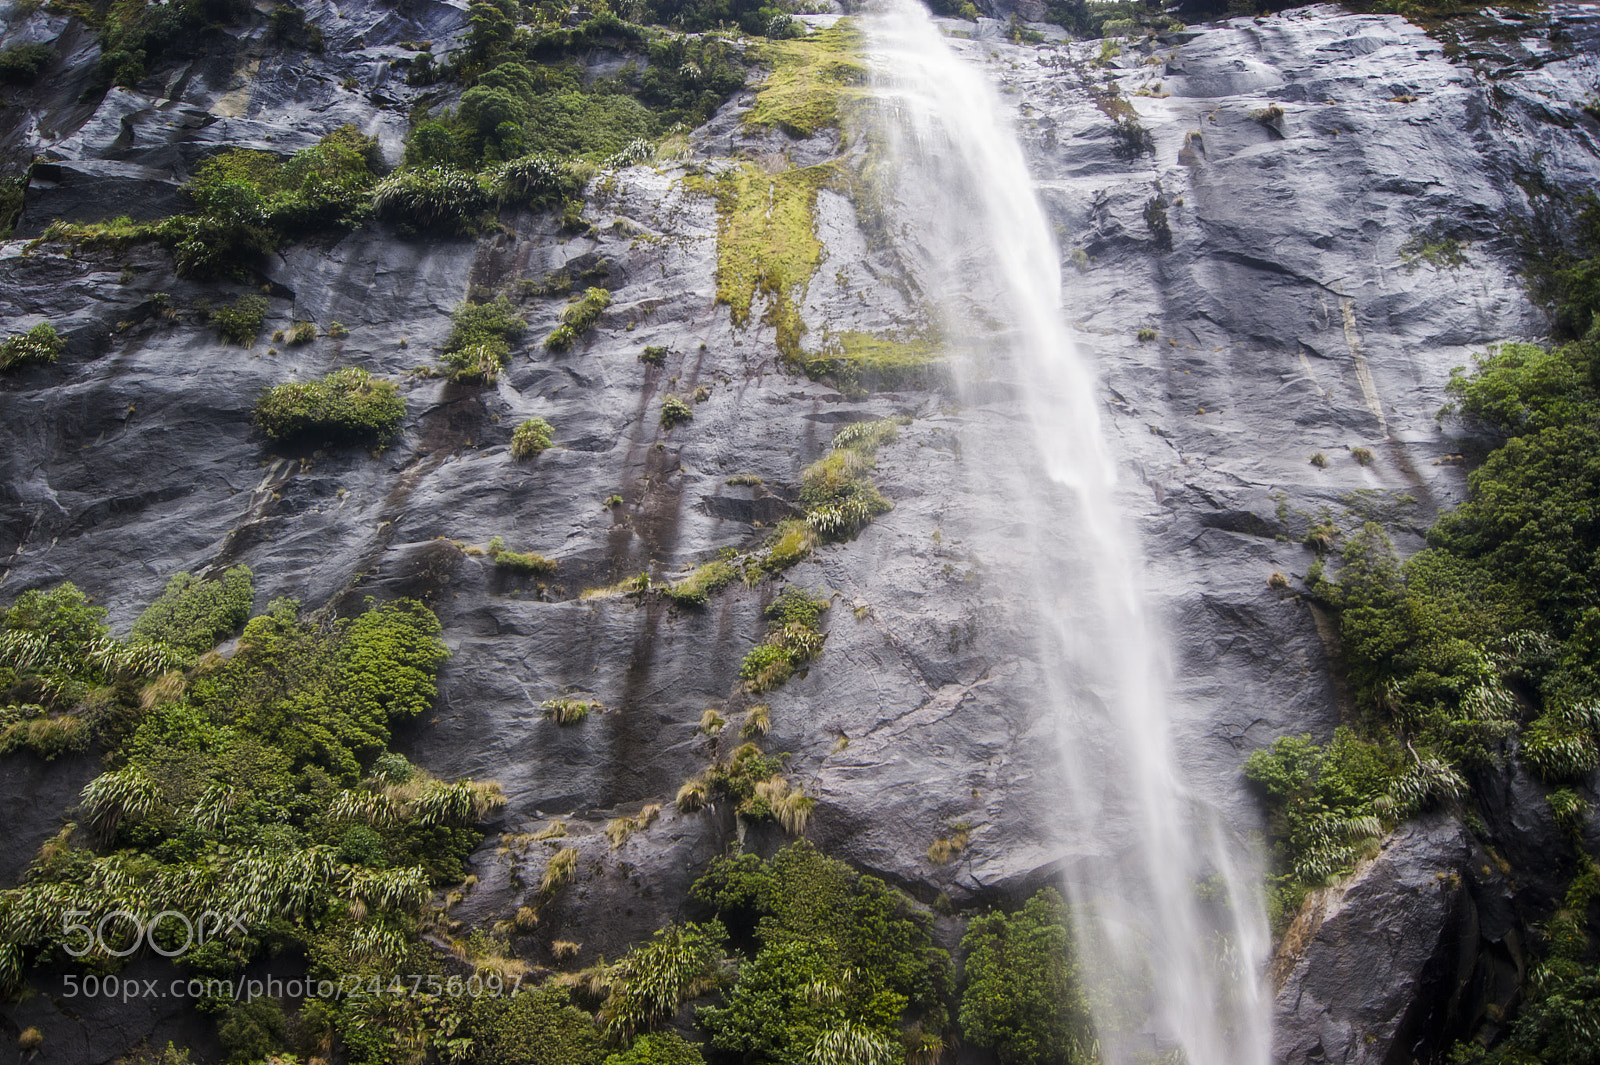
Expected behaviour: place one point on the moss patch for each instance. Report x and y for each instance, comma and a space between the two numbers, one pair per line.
865, 361
810, 79
767, 242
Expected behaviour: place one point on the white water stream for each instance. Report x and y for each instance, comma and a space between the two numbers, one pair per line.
1169, 923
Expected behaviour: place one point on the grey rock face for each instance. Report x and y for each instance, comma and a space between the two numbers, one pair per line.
1287, 324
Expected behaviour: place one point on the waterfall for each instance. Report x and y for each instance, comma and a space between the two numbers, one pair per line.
1168, 918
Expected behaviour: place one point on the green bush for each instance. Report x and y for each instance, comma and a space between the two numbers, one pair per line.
530, 438
674, 411
537, 1027
679, 963
240, 322
792, 640
837, 954
249, 1031
578, 319
195, 615
348, 404
21, 64
302, 333
1022, 996
39, 346
659, 1049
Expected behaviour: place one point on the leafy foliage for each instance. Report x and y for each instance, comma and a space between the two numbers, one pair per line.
480, 338
348, 404
792, 640
431, 199
243, 788
195, 615
1489, 633
840, 959
538, 1027
580, 316
240, 322
21, 64
40, 345
1022, 996
530, 438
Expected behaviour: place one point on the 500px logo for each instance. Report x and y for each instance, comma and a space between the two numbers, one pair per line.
122, 923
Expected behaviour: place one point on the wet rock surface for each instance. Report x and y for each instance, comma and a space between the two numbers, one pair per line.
1265, 253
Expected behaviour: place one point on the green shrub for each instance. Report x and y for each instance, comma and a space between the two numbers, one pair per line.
655, 356
434, 199
530, 438
1022, 997
240, 322
578, 319
837, 954
792, 640
537, 1027
659, 1049
674, 411
302, 333
195, 615
21, 64
538, 180
479, 343
348, 404
478, 362
39, 346
249, 1031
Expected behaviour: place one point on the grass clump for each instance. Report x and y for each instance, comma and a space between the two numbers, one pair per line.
791, 542
39, 346
347, 405
619, 829
240, 322
195, 615
654, 356
695, 589
568, 711
1362, 455
518, 562
530, 438
561, 869
578, 318
1146, 335
793, 639
838, 496
675, 411
431, 199
302, 333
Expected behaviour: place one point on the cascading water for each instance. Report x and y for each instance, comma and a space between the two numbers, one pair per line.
1169, 923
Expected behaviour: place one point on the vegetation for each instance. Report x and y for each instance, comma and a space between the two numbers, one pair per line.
347, 405
39, 346
431, 199
767, 242
530, 438
195, 615
836, 958
257, 785
793, 639
810, 79
249, 203
695, 589
1434, 246
21, 64
240, 322
1485, 635
568, 711
1021, 995
859, 362
518, 562
479, 344
579, 317
675, 411
838, 495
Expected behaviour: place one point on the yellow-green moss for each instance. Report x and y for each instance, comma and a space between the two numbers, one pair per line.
767, 242
861, 361
810, 79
